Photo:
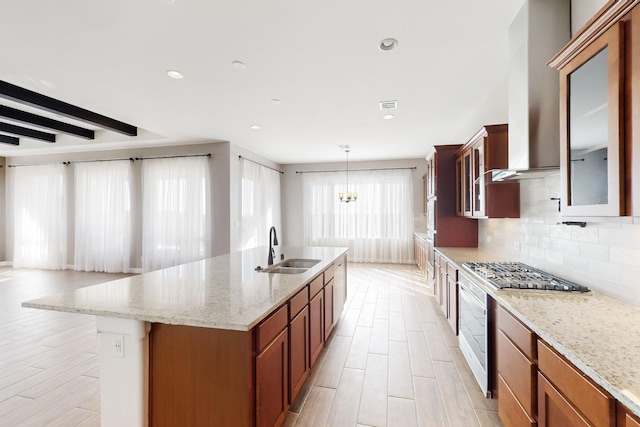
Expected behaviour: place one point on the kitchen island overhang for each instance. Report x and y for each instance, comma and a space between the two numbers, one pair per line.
223, 293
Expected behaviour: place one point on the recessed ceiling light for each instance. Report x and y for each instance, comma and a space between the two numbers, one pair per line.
388, 44
388, 116
169, 1
175, 74
255, 127
238, 65
276, 101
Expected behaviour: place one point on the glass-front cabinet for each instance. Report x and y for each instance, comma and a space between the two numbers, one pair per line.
477, 195
591, 128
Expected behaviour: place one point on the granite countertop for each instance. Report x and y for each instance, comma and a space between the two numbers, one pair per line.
223, 292
600, 335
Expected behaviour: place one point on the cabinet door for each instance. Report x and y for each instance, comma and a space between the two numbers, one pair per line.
272, 382
459, 187
591, 129
328, 309
452, 302
479, 195
626, 418
553, 409
467, 183
298, 352
316, 327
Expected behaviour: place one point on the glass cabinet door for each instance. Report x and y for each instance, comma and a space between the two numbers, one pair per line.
591, 150
459, 187
478, 180
467, 184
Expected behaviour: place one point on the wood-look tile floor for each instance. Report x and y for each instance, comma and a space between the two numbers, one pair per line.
392, 360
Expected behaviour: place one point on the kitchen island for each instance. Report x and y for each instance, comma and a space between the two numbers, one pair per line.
186, 345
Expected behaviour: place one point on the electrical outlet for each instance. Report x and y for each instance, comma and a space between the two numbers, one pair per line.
118, 345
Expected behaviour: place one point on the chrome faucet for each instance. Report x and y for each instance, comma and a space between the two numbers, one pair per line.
273, 239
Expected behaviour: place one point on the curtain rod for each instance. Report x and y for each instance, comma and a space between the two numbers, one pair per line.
260, 164
108, 160
356, 170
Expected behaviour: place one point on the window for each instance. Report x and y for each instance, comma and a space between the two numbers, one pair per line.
378, 227
176, 211
260, 204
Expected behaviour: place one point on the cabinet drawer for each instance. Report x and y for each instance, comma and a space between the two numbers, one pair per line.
271, 327
436, 258
328, 274
518, 372
594, 403
298, 302
452, 270
511, 412
518, 333
316, 286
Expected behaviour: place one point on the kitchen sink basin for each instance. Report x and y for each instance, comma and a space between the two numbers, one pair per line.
292, 266
285, 270
298, 263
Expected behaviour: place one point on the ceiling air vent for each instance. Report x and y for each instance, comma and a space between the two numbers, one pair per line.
388, 105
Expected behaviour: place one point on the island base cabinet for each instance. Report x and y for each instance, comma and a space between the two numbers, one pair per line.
200, 377
553, 408
298, 352
272, 383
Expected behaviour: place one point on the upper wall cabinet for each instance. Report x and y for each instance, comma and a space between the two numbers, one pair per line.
477, 195
597, 124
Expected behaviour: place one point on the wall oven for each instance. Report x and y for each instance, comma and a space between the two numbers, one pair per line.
474, 339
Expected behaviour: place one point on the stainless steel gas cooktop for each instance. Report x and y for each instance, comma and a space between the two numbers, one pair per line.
516, 275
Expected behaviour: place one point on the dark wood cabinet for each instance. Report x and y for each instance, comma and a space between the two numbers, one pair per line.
299, 359
625, 418
566, 397
517, 370
478, 195
272, 382
445, 227
328, 309
316, 325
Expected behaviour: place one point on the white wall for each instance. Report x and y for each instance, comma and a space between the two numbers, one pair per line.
292, 221
582, 11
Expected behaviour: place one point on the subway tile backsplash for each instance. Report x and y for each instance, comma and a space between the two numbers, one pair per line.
603, 256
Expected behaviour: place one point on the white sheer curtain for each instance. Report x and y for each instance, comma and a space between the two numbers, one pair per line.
176, 221
260, 204
40, 216
103, 216
378, 227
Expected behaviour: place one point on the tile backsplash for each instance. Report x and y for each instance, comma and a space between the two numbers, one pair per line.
603, 256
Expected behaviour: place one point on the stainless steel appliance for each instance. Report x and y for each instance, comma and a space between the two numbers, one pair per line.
516, 275
474, 321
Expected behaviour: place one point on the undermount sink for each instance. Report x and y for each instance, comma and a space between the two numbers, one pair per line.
298, 263
285, 270
292, 266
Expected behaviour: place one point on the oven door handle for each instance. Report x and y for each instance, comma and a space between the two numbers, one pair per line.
470, 297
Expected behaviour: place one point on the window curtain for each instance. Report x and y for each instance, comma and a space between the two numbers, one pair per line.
378, 227
260, 204
103, 216
40, 216
176, 211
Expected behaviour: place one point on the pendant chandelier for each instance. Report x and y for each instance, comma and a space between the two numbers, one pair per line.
350, 197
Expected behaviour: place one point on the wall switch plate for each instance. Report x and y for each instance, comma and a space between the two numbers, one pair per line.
118, 345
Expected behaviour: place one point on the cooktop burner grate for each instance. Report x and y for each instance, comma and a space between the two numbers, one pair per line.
516, 275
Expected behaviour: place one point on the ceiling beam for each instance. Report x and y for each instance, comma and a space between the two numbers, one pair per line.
45, 122
28, 132
34, 99
6, 139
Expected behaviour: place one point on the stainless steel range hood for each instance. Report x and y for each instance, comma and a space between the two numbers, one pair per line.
540, 30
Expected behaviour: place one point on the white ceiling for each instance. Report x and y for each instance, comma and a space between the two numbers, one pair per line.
320, 58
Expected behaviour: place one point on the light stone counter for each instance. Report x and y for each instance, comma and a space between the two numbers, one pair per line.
224, 292
598, 334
